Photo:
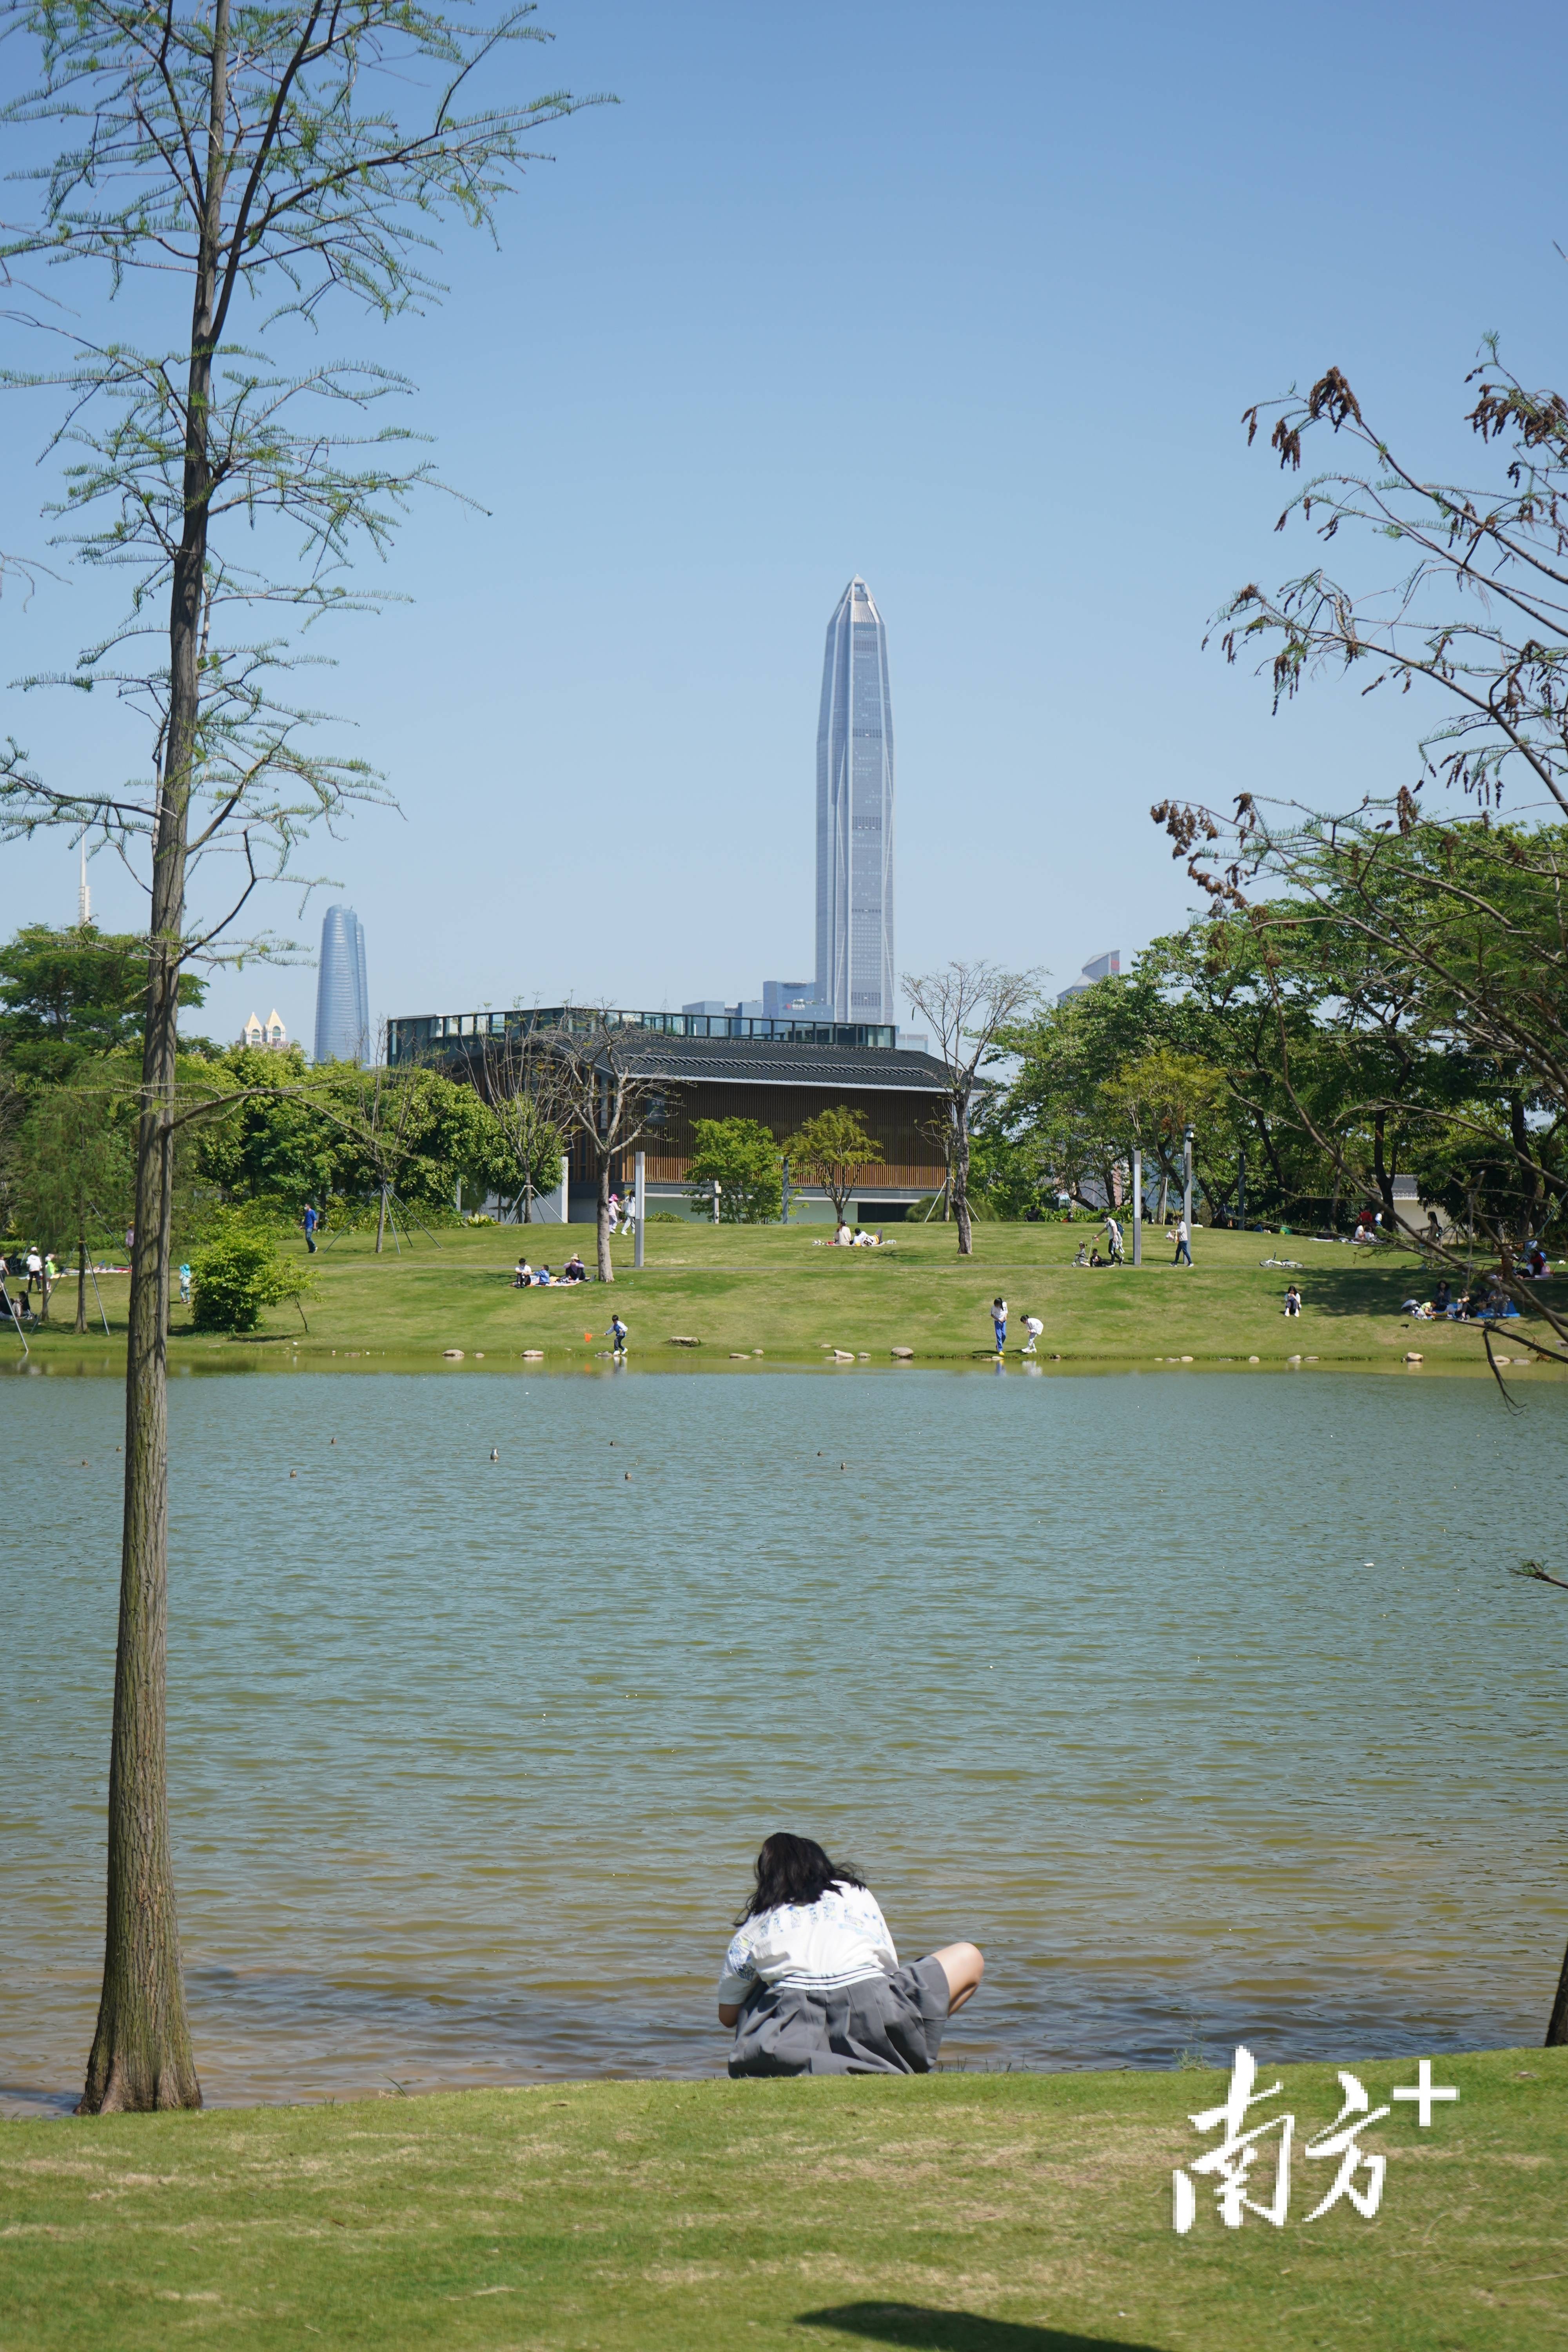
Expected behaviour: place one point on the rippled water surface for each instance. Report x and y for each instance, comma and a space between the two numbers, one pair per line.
1204, 1703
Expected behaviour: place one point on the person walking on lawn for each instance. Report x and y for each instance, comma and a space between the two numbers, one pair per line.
1184, 1255
999, 1322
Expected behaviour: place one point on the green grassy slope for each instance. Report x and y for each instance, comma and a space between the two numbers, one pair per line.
991, 2214
775, 1288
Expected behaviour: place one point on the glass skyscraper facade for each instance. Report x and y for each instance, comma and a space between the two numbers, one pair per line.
342, 999
855, 815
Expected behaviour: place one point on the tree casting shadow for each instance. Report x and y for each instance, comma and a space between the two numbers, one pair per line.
925, 2330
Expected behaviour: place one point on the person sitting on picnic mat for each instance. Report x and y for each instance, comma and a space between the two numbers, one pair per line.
812, 1983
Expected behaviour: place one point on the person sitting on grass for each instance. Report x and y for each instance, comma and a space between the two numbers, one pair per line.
811, 1981
573, 1270
1082, 1258
521, 1274
1292, 1299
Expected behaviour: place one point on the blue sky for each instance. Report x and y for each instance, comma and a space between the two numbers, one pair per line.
968, 301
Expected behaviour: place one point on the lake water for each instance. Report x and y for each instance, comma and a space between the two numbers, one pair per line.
1205, 1702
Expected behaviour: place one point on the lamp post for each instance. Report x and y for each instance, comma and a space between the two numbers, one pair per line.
640, 1197
1137, 1208
1187, 1186
718, 1188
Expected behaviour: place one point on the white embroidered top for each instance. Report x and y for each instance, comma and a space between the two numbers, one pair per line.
840, 1939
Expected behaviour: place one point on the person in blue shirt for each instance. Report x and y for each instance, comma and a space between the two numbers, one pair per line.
310, 1221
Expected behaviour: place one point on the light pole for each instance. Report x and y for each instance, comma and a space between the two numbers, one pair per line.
639, 1197
1137, 1208
1241, 1189
718, 1188
1188, 1187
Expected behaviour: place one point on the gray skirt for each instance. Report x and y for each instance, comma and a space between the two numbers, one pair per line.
884, 2025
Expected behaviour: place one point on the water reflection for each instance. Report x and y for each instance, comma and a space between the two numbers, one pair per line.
468, 1759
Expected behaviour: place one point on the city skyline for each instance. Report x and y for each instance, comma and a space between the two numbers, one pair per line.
855, 970
342, 996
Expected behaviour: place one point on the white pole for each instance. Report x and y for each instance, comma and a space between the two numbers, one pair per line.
1187, 1185
1137, 1208
639, 1194
565, 1180
718, 1188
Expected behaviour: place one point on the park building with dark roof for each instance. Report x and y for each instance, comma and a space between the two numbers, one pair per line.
780, 1073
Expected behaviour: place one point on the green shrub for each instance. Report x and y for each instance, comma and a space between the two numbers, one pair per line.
238, 1275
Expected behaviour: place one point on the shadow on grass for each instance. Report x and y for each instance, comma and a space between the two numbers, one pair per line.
924, 2330
1378, 1290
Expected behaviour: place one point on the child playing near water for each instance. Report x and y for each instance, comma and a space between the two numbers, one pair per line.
812, 1983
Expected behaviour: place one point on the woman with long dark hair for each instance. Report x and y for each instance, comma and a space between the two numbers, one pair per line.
812, 1983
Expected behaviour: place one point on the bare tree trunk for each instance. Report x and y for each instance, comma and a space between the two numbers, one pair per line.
81, 1268
1557, 2030
960, 1181
606, 1271
380, 1223
1379, 1168
141, 2056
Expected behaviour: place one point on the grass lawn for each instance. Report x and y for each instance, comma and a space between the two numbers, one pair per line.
965, 2213
774, 1288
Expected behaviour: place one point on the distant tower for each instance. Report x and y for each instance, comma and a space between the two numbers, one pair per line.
83, 895
855, 815
342, 1000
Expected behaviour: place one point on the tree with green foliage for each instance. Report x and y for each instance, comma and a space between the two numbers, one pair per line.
833, 1150
742, 1158
70, 996
418, 1134
274, 1141
72, 1163
1441, 925
239, 1273
260, 166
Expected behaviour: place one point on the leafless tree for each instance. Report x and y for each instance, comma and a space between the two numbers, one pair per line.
518, 1079
967, 1005
600, 1085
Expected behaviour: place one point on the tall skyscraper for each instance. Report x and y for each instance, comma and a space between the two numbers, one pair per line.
342, 999
855, 815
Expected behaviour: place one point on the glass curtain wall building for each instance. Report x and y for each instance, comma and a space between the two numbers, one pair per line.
855, 815
342, 999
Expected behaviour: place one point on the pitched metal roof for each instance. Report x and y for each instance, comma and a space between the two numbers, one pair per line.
756, 1062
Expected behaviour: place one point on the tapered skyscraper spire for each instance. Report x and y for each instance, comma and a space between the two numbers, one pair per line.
342, 1000
855, 815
